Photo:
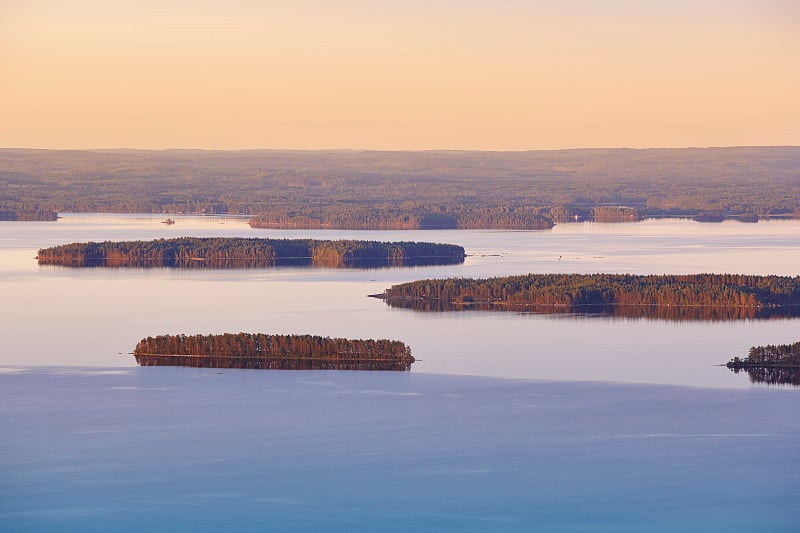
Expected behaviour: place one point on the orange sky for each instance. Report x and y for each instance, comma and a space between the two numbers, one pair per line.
379, 74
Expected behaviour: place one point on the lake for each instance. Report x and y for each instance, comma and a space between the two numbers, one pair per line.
508, 422
69, 316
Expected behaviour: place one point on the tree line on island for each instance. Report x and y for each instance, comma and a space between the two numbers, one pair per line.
773, 364
674, 297
263, 351
229, 252
769, 355
404, 217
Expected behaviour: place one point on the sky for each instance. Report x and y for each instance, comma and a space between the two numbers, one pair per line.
398, 75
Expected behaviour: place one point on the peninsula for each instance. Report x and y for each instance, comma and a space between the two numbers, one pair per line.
775, 364
675, 297
227, 252
261, 351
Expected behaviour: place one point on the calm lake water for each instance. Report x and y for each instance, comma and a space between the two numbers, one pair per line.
94, 317
608, 425
178, 449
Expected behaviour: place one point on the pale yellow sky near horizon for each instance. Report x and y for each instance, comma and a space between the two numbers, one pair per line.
440, 74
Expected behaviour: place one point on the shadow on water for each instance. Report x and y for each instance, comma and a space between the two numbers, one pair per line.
659, 312
277, 362
771, 375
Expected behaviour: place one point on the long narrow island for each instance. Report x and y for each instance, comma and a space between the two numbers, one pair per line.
363, 217
675, 297
262, 351
775, 364
228, 252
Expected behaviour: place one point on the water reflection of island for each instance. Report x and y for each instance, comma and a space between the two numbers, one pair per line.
226, 252
686, 297
283, 352
774, 364
772, 375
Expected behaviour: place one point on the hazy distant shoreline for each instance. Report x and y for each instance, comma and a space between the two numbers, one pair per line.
351, 189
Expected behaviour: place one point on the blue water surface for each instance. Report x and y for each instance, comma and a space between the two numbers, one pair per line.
179, 449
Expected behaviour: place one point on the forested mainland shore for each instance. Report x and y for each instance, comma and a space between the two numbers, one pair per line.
350, 189
233, 252
262, 351
773, 364
673, 297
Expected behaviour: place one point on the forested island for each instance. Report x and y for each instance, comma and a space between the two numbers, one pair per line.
674, 297
261, 351
775, 364
353, 189
405, 218
230, 252
22, 214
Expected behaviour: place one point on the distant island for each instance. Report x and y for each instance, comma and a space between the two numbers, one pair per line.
411, 218
261, 351
352, 189
229, 252
674, 297
21, 214
773, 364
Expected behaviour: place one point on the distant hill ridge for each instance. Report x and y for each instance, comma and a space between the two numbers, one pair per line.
365, 189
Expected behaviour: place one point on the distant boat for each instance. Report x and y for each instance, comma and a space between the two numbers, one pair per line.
168, 221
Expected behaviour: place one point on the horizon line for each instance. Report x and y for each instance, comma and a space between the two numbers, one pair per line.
399, 150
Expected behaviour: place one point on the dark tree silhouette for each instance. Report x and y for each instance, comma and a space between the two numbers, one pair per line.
773, 364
